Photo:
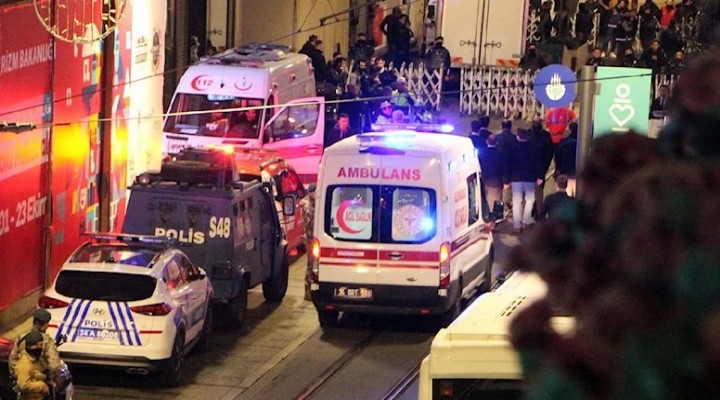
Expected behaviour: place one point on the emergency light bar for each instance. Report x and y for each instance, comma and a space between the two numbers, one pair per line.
130, 238
429, 128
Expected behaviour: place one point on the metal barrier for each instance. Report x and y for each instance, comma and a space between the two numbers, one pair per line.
506, 92
425, 84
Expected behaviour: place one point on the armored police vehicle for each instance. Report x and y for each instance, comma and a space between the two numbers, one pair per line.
230, 226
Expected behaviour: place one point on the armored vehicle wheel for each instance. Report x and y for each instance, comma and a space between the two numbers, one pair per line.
237, 307
275, 288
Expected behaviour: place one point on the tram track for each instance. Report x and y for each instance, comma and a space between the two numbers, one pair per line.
382, 365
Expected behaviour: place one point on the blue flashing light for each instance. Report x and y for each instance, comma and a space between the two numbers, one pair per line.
428, 225
398, 140
437, 128
446, 128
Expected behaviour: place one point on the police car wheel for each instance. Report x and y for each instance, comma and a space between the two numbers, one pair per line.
237, 308
328, 318
174, 373
203, 344
275, 288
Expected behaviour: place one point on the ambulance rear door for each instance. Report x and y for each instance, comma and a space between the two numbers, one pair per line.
347, 224
409, 237
297, 131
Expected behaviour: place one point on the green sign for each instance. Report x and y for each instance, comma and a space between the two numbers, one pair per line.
624, 100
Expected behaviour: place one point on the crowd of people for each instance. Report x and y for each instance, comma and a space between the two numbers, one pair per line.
647, 36
516, 164
366, 85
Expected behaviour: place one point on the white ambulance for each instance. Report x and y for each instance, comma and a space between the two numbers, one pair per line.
250, 96
399, 226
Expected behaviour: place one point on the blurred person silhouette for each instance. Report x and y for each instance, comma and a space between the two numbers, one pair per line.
386, 113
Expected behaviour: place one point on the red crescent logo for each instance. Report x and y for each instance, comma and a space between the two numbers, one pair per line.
243, 85
201, 82
340, 216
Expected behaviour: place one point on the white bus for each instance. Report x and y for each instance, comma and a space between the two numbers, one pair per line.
473, 358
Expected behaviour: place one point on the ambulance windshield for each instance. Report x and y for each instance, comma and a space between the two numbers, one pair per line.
384, 214
206, 115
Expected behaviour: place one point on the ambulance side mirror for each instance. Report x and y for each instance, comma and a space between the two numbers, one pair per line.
289, 205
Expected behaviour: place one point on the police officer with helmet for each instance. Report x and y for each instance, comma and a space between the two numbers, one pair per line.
30, 372
49, 357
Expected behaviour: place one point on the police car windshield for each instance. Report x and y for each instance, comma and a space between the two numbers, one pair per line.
140, 257
219, 123
107, 286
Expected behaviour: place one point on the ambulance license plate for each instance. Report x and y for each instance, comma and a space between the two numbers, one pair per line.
353, 293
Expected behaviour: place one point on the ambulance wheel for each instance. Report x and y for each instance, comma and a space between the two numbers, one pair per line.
487, 283
328, 318
203, 344
237, 308
275, 288
174, 373
449, 316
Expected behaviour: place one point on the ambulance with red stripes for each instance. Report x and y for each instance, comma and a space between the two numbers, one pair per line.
399, 225
257, 95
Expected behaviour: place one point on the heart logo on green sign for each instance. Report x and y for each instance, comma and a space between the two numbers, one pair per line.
622, 113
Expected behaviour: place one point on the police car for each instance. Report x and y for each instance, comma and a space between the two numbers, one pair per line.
130, 302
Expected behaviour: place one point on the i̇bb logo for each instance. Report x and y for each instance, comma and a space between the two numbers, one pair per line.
201, 82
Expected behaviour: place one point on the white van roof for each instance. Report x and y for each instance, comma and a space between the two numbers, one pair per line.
241, 72
477, 344
409, 142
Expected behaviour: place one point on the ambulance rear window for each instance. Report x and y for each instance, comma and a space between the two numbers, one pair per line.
351, 210
107, 286
410, 216
382, 214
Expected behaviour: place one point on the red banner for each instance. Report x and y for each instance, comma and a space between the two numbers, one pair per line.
24, 156
63, 100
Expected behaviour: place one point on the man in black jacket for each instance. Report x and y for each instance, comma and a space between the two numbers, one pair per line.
309, 46
492, 164
555, 202
543, 141
523, 173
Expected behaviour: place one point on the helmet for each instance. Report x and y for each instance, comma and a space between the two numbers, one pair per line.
41, 315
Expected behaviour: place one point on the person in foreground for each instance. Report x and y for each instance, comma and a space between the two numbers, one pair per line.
636, 261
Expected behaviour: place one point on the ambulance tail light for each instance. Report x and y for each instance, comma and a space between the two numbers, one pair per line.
444, 261
315, 258
50, 302
153, 309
